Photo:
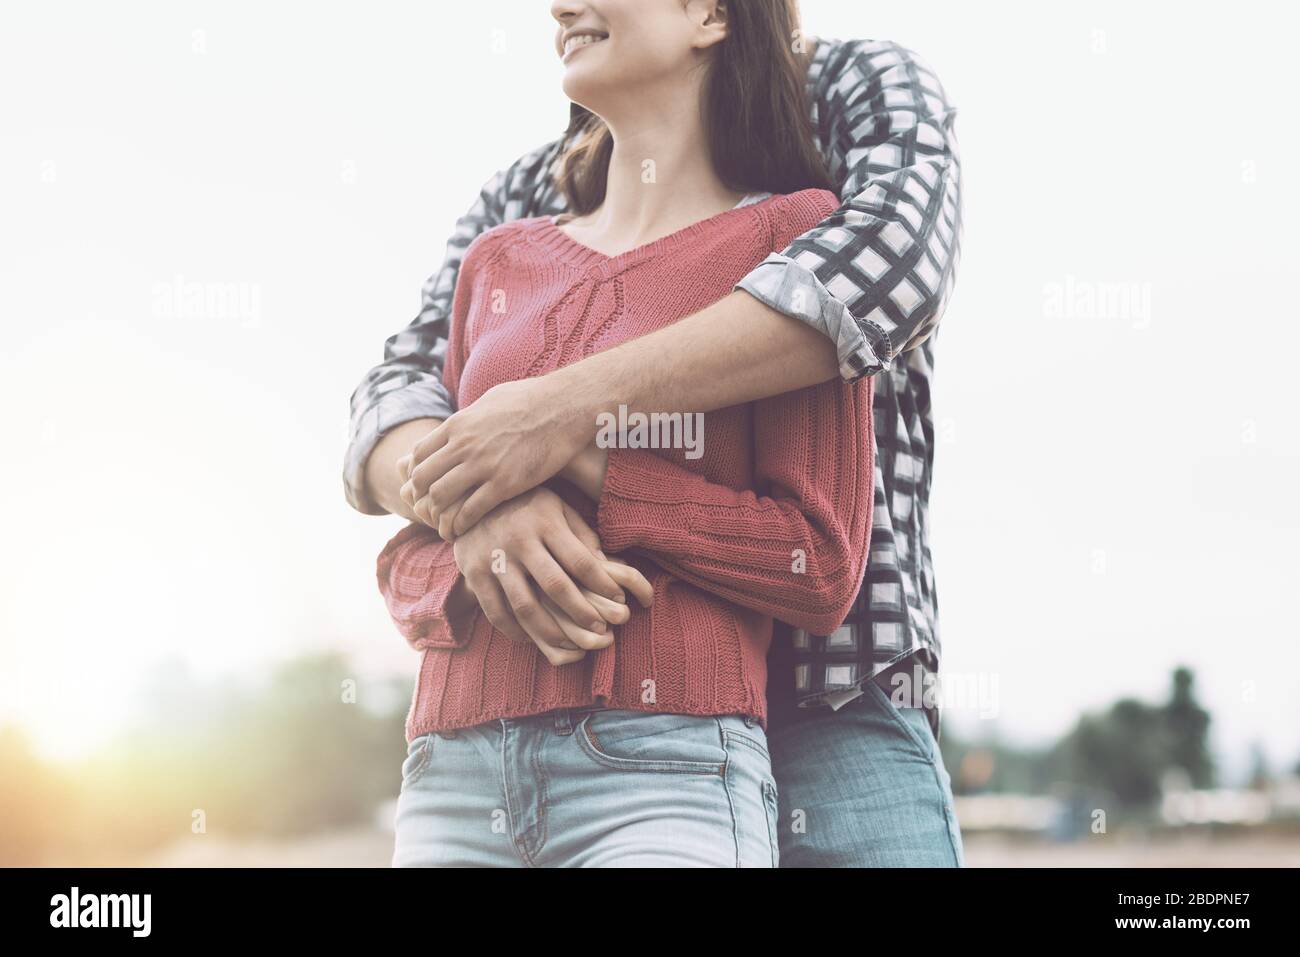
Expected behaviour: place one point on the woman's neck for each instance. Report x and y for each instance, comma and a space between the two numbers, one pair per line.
661, 179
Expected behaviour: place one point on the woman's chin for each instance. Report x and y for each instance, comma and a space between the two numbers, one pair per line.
584, 89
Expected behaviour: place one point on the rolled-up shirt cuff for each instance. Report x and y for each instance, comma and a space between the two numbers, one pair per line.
392, 410
792, 289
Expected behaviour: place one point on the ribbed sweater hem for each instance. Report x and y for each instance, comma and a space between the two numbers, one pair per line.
757, 710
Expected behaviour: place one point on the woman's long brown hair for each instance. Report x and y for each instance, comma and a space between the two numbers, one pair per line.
755, 107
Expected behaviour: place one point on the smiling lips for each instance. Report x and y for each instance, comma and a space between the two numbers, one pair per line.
579, 40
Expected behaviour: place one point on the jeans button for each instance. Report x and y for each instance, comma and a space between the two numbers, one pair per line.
750, 721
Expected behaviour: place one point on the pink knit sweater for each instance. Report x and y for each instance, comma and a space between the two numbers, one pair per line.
771, 521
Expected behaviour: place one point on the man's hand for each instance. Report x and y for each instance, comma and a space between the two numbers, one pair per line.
536, 569
515, 437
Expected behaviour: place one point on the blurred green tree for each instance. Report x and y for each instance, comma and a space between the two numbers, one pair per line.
1188, 725
1128, 750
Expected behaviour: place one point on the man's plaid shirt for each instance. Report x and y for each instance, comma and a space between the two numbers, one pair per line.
875, 277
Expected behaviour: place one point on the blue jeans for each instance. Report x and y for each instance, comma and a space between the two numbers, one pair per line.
864, 786
590, 788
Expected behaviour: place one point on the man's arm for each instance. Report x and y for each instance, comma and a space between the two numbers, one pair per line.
382, 478
519, 434
876, 275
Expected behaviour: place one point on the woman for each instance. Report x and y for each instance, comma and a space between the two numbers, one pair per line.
691, 164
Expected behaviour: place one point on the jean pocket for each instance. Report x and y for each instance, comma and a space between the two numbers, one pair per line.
418, 753
912, 722
746, 732
665, 743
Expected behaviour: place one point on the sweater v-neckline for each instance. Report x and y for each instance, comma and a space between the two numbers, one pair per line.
576, 253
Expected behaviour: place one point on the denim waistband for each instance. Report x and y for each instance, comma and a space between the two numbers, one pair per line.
564, 720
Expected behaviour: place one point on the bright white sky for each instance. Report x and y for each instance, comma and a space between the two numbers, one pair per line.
1114, 492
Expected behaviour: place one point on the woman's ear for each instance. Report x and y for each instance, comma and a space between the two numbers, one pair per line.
710, 19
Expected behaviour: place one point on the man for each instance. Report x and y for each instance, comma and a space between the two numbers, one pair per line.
860, 778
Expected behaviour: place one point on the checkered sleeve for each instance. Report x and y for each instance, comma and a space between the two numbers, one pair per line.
408, 385
875, 276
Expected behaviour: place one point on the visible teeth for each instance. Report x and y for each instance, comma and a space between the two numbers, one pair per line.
582, 40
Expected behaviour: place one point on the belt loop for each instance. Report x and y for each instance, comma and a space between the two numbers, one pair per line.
564, 721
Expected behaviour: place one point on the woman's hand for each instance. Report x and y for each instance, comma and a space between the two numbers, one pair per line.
536, 569
615, 613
